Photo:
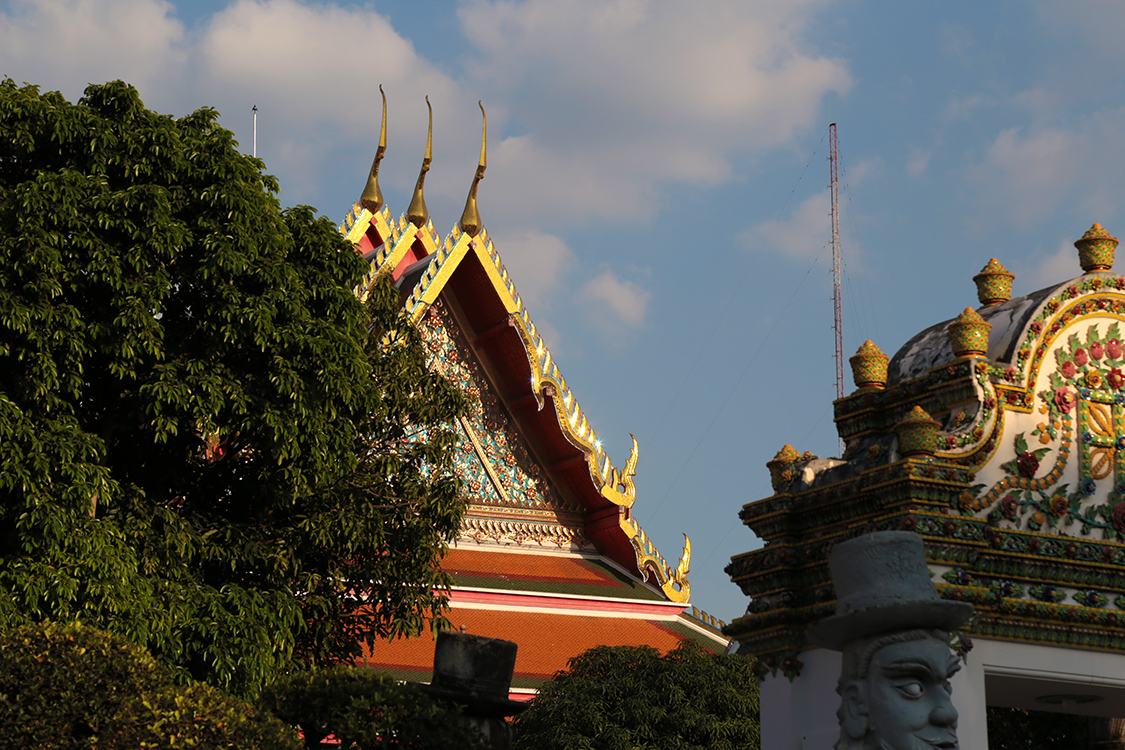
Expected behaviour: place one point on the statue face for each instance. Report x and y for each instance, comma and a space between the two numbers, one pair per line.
908, 697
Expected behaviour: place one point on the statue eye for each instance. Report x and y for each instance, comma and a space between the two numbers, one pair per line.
911, 689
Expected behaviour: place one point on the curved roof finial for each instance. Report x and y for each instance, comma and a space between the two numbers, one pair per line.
372, 197
470, 218
418, 214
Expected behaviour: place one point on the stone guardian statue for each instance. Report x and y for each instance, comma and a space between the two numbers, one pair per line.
893, 629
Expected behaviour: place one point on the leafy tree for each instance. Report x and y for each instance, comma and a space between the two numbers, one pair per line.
365, 709
69, 686
208, 444
631, 698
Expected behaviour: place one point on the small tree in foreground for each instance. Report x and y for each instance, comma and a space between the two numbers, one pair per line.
632, 698
69, 686
366, 710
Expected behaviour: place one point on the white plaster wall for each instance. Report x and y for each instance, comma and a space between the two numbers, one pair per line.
801, 715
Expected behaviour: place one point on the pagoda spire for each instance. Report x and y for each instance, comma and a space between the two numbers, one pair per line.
372, 197
417, 213
470, 218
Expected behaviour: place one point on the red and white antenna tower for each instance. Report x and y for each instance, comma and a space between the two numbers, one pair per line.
839, 322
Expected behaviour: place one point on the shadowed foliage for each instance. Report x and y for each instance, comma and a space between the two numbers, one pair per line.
365, 709
69, 686
208, 444
1019, 729
632, 698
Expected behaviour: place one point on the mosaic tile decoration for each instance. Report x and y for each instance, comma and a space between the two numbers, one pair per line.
492, 458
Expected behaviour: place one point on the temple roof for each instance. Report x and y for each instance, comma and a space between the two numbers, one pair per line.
464, 278
555, 605
570, 575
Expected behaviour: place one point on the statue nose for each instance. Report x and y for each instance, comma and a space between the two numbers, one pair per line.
943, 713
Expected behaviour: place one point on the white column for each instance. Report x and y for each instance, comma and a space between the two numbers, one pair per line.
969, 700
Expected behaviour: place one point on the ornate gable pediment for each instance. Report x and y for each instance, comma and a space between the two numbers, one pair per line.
509, 495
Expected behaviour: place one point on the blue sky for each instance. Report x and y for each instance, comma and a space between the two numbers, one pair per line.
657, 180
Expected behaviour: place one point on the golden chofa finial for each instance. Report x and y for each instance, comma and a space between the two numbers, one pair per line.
418, 214
470, 218
372, 198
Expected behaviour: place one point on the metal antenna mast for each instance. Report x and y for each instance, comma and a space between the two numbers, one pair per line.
255, 152
839, 322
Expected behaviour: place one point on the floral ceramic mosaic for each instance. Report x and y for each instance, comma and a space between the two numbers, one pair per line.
492, 459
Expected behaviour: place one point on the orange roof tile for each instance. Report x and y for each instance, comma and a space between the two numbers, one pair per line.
546, 640
485, 563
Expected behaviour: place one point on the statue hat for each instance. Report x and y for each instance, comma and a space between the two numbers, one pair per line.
883, 585
475, 672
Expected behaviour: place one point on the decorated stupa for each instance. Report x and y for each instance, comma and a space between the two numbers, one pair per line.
999, 437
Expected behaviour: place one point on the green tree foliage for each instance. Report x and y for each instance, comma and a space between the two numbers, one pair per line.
631, 698
207, 444
365, 709
69, 686
1019, 729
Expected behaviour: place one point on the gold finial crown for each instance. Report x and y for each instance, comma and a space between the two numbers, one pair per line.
470, 218
918, 433
968, 334
994, 284
1096, 249
869, 366
372, 197
417, 213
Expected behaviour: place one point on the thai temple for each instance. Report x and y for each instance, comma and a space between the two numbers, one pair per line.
548, 555
999, 437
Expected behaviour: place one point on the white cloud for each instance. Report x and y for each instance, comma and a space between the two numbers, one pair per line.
858, 172
596, 108
1024, 175
620, 98
918, 162
1055, 268
625, 301
804, 235
66, 44
321, 63
536, 262
314, 73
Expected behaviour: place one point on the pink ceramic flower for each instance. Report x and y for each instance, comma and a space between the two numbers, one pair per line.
1009, 507
1068, 369
1080, 357
1096, 350
1113, 348
1118, 517
1027, 463
1064, 399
